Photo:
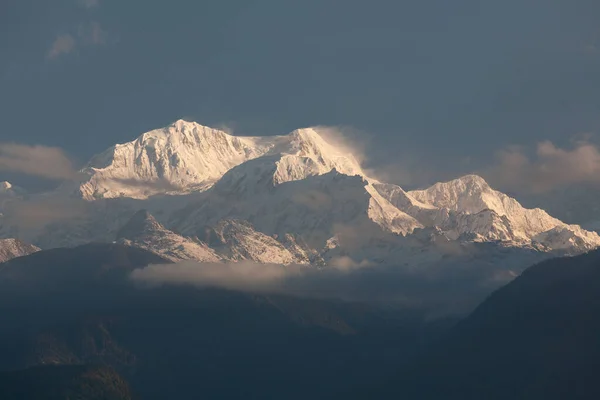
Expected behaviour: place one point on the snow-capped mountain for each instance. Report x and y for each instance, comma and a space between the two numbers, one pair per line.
470, 205
186, 156
143, 231
237, 240
315, 207
178, 158
12, 248
574, 204
229, 240
293, 198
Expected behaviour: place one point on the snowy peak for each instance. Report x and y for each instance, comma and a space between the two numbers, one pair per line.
283, 198
301, 154
470, 180
569, 238
309, 143
181, 157
309, 154
186, 156
468, 205
470, 194
296, 156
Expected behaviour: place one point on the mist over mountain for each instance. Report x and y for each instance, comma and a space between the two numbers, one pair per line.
190, 252
175, 329
187, 192
175, 339
316, 199
575, 204
535, 338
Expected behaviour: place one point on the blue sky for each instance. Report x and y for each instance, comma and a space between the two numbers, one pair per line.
434, 87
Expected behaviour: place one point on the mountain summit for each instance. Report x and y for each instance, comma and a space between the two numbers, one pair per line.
181, 157
470, 205
287, 199
186, 156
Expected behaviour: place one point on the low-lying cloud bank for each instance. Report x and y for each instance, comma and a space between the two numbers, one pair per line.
443, 290
43, 161
552, 167
29, 216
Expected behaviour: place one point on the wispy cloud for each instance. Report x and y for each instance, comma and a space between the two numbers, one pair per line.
43, 161
28, 217
345, 139
228, 128
244, 276
63, 44
89, 34
549, 168
438, 290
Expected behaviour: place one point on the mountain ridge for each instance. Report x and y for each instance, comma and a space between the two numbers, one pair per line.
471, 195
144, 231
187, 156
192, 178
13, 248
534, 338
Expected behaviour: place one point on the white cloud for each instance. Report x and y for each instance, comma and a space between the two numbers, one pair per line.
245, 276
455, 289
90, 34
228, 128
30, 216
407, 169
42, 161
551, 167
63, 44
345, 139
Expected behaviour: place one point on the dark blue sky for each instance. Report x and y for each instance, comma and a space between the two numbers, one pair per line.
422, 79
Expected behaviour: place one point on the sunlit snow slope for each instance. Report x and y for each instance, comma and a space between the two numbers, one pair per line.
295, 198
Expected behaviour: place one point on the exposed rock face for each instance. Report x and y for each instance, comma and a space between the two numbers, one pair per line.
12, 248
